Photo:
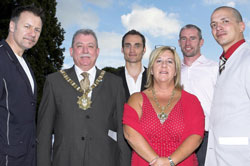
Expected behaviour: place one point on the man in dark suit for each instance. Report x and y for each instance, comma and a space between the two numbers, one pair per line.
82, 106
18, 89
133, 74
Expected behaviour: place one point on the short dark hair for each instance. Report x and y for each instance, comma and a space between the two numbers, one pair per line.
134, 32
189, 26
29, 8
236, 13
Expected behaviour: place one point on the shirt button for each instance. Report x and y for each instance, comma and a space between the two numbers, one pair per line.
82, 138
87, 116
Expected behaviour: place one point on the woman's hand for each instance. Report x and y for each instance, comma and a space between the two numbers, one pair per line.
162, 161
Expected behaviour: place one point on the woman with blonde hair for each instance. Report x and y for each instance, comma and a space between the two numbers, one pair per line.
163, 124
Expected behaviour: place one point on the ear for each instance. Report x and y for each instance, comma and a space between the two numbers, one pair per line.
97, 51
242, 26
71, 51
201, 42
122, 50
144, 50
12, 26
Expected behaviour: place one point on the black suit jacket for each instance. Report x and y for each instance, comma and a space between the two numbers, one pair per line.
17, 111
121, 73
81, 136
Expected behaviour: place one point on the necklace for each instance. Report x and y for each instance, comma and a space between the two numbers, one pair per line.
162, 116
84, 101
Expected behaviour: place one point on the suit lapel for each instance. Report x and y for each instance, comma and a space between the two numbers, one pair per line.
96, 89
124, 81
20, 69
72, 75
144, 79
33, 76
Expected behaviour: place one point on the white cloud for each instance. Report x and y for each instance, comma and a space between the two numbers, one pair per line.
101, 3
109, 43
231, 3
153, 21
73, 13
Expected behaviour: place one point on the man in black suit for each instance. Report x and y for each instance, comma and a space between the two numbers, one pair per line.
82, 106
133, 74
18, 89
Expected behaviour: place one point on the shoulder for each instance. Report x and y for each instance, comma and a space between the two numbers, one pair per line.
120, 71
191, 104
111, 77
135, 97
210, 62
59, 74
188, 97
245, 52
135, 101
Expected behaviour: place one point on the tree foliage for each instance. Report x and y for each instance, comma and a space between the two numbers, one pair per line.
110, 69
47, 56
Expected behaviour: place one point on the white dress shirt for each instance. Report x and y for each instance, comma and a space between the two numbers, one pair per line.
229, 129
91, 72
199, 79
134, 86
27, 71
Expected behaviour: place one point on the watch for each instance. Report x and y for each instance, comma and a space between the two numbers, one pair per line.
171, 161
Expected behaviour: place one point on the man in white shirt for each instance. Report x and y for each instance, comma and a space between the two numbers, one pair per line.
229, 128
133, 74
18, 90
198, 76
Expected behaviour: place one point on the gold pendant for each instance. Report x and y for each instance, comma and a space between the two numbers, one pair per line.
84, 102
162, 117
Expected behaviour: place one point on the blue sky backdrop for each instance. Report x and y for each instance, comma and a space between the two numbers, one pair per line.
159, 21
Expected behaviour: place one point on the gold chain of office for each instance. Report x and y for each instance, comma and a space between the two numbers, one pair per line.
84, 101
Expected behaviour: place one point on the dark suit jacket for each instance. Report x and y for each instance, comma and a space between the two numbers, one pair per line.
121, 73
81, 137
17, 111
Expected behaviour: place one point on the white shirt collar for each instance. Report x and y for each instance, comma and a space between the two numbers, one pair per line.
200, 60
142, 70
92, 74
132, 85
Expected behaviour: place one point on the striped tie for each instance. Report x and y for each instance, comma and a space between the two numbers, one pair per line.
222, 64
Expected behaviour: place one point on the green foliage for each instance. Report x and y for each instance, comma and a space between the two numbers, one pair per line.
47, 56
111, 69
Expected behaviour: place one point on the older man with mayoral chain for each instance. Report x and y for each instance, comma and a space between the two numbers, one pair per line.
82, 106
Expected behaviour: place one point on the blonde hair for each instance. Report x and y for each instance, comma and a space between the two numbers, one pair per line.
153, 56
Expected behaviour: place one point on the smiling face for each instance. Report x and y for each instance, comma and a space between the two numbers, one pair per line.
25, 31
164, 69
84, 51
190, 42
133, 49
226, 29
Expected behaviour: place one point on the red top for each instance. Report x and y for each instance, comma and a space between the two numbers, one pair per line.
185, 119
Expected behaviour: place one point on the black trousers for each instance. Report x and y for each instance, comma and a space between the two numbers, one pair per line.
202, 150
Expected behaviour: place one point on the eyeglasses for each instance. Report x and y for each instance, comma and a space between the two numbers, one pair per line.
171, 47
